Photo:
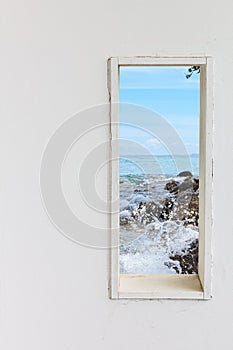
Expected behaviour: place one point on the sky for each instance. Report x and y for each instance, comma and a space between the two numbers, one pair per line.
167, 92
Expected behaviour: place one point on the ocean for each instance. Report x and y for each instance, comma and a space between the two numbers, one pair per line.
158, 165
158, 227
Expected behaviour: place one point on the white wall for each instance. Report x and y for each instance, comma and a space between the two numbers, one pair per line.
53, 292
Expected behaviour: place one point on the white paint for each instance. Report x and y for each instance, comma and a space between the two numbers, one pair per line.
201, 289
53, 293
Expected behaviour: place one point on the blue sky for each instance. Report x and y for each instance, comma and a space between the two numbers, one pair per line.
166, 91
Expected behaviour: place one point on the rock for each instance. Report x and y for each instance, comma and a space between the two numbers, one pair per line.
196, 184
137, 190
148, 212
167, 209
193, 210
188, 261
177, 207
171, 185
183, 203
185, 173
194, 203
188, 183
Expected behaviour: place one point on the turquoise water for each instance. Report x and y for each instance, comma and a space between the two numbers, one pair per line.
158, 165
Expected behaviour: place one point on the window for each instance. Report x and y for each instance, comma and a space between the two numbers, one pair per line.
160, 177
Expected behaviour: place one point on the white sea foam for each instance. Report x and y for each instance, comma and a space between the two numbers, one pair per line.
150, 252
146, 245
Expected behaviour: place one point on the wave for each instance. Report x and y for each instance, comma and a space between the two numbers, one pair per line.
158, 224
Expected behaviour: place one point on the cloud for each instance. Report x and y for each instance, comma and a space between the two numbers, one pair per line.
155, 146
153, 142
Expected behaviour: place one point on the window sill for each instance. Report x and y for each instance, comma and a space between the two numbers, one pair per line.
160, 287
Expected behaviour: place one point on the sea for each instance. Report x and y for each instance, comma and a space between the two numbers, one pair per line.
158, 165
146, 243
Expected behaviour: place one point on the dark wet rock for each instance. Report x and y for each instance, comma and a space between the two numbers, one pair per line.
141, 205
183, 203
188, 183
147, 212
196, 184
177, 208
188, 260
167, 208
171, 185
185, 173
193, 210
185, 185
194, 203
138, 190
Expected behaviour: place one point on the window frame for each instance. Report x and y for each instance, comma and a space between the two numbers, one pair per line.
164, 286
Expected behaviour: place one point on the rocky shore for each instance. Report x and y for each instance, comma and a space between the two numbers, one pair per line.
184, 205
180, 205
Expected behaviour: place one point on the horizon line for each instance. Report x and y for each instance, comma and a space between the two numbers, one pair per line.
161, 155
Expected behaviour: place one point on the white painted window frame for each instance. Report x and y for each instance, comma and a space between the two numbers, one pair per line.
164, 286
